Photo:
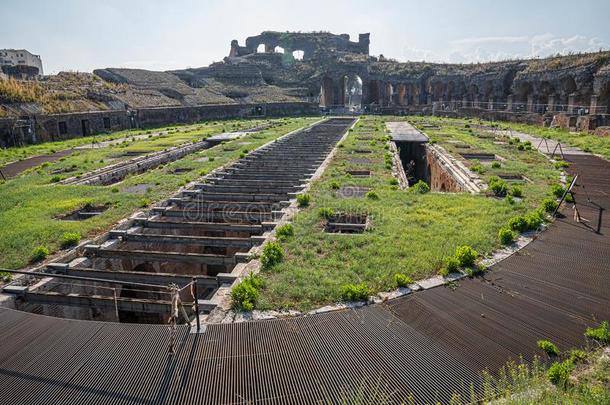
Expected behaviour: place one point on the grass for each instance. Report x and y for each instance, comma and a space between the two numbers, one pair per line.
587, 142
175, 135
411, 233
31, 203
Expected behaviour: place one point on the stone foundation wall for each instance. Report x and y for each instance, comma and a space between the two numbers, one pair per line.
441, 179
44, 128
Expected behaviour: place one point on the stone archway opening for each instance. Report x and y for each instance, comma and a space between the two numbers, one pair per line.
278, 49
260, 48
298, 54
353, 92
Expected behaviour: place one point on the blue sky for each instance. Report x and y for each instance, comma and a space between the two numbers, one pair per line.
84, 35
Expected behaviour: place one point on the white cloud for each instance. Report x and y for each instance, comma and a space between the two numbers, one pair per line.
485, 49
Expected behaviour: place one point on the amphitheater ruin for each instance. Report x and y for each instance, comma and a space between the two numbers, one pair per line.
280, 227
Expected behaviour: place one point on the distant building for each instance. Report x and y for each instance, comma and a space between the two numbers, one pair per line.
20, 64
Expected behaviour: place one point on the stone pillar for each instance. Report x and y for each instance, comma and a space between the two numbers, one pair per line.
429, 99
269, 48
509, 103
490, 103
571, 103
475, 104
593, 105
464, 101
530, 103
551, 104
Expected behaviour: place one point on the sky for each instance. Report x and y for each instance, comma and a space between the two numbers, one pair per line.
82, 35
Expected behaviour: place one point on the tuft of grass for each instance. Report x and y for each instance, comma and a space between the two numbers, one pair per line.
284, 232
69, 239
355, 292
272, 255
421, 187
245, 294
601, 333
548, 347
506, 236
303, 200
39, 254
402, 280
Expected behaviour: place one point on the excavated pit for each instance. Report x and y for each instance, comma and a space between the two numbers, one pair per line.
84, 213
346, 223
203, 232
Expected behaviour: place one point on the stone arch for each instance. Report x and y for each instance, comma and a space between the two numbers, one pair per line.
546, 94
353, 91
451, 89
473, 93
260, 48
523, 92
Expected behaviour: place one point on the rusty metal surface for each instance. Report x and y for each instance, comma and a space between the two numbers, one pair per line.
428, 344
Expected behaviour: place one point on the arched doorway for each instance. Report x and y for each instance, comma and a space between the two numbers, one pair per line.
260, 48
353, 92
298, 54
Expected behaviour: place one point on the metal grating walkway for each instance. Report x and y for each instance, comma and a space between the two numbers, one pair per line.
429, 344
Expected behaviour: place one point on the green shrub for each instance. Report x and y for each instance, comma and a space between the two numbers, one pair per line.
559, 373
561, 164
402, 280
70, 239
334, 185
39, 254
518, 224
284, 232
601, 333
450, 265
498, 186
393, 181
516, 191
245, 294
371, 195
557, 190
354, 292
144, 202
549, 205
114, 190
272, 255
549, 347
242, 155
421, 187
55, 179
303, 200
534, 220
520, 147
477, 167
577, 356
466, 255
326, 213
496, 165
506, 236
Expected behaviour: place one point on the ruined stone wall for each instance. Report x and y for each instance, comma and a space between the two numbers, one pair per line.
441, 178
149, 117
66, 126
